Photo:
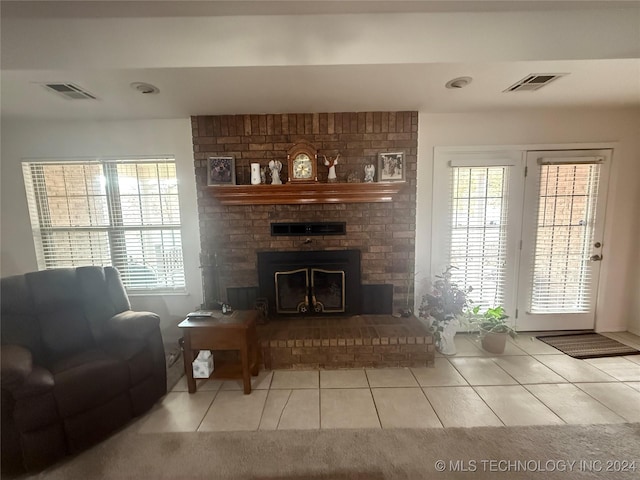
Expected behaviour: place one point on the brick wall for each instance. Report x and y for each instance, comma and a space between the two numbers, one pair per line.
232, 235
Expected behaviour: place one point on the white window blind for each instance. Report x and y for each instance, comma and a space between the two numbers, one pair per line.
565, 228
478, 226
120, 213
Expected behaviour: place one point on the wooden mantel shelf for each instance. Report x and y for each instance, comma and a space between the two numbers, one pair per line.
290, 194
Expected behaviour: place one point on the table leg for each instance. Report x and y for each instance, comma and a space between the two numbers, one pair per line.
255, 352
246, 377
188, 359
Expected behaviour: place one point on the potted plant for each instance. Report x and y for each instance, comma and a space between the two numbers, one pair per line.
493, 327
442, 309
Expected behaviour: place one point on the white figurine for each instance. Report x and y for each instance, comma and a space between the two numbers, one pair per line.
255, 174
275, 166
331, 163
369, 172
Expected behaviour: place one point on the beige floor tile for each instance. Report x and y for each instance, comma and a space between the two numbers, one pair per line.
202, 385
632, 338
391, 377
261, 382
234, 411
293, 379
273, 408
404, 408
441, 375
618, 367
633, 358
621, 398
511, 349
532, 345
302, 411
528, 370
482, 371
464, 348
347, 408
572, 404
516, 406
634, 385
178, 412
343, 379
461, 407
574, 370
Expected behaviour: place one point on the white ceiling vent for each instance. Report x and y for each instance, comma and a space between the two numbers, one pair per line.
69, 91
534, 81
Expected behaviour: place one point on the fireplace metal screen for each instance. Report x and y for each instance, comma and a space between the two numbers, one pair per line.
313, 282
310, 289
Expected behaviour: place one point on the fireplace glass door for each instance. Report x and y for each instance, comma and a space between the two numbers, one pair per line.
310, 290
327, 290
292, 291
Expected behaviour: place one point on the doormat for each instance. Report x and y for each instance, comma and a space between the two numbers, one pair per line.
588, 345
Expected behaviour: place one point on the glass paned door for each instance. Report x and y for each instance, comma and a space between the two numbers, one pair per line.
479, 231
477, 222
562, 239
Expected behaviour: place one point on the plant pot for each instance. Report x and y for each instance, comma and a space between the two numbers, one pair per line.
493, 342
445, 344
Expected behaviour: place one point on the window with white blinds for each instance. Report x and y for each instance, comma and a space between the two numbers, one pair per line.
565, 229
478, 231
120, 213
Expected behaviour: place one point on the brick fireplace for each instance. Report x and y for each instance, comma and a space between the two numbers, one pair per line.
383, 232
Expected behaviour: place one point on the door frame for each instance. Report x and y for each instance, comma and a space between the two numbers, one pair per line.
439, 165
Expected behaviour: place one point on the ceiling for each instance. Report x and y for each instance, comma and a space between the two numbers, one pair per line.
314, 56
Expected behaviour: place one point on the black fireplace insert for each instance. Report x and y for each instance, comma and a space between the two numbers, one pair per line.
311, 282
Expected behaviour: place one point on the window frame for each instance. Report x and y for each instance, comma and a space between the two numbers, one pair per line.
116, 229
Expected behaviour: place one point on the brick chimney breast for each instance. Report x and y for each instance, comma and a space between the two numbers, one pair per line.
231, 235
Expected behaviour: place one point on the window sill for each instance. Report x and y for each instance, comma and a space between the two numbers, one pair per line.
157, 293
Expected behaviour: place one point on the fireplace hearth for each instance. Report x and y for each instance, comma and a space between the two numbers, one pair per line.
311, 282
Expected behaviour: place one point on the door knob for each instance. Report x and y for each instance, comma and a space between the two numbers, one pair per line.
596, 258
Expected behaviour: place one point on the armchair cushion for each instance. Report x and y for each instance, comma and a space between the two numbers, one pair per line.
59, 307
39, 381
137, 355
88, 380
134, 325
17, 364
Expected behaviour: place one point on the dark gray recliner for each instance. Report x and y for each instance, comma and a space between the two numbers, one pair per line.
77, 363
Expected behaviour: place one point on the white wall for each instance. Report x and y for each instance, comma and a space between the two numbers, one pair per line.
68, 140
618, 306
634, 311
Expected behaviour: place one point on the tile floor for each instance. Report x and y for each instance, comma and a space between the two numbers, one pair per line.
530, 384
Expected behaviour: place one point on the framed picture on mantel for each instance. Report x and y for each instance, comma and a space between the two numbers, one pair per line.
221, 170
391, 167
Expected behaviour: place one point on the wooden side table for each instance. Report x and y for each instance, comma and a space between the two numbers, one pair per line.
236, 331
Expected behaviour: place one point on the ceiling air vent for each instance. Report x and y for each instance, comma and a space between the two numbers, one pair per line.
534, 81
69, 91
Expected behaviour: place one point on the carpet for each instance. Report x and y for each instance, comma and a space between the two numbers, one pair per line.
588, 345
534, 452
